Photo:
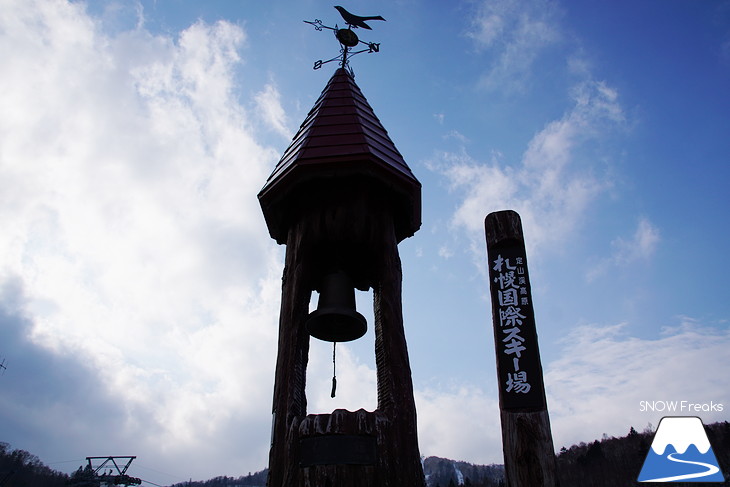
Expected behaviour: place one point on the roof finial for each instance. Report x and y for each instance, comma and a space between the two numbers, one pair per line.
347, 37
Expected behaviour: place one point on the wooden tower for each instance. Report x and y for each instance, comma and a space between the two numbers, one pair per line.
341, 198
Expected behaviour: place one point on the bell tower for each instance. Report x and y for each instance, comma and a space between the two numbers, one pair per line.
341, 199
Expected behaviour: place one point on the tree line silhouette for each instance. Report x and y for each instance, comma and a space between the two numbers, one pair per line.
610, 462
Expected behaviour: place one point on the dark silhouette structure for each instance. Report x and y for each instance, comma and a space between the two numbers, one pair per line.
347, 37
341, 198
118, 474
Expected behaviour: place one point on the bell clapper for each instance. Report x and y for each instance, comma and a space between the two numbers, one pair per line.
334, 370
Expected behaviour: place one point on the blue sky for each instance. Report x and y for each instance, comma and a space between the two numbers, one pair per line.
139, 289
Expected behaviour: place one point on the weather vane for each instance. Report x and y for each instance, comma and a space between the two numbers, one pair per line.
347, 37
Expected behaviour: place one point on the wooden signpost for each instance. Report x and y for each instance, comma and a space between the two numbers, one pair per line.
527, 443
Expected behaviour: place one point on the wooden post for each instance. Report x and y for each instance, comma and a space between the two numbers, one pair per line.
290, 400
529, 456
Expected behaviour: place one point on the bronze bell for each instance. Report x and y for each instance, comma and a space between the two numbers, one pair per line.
336, 319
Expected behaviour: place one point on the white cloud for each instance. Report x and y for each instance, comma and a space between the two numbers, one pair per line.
559, 174
516, 32
555, 181
128, 180
268, 102
595, 386
604, 373
456, 135
640, 247
445, 252
461, 423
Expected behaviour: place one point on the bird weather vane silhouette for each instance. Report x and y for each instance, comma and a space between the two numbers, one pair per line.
347, 37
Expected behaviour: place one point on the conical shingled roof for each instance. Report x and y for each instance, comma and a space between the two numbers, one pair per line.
341, 137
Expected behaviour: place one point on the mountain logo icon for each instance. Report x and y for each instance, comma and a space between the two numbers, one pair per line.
680, 452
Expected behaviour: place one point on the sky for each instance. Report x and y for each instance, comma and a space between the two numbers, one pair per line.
139, 287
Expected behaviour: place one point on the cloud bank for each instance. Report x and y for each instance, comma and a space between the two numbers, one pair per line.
604, 373
516, 34
594, 388
128, 172
553, 184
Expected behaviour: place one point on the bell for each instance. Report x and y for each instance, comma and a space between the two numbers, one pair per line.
336, 319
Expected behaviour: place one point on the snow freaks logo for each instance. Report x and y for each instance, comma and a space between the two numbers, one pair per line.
680, 452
